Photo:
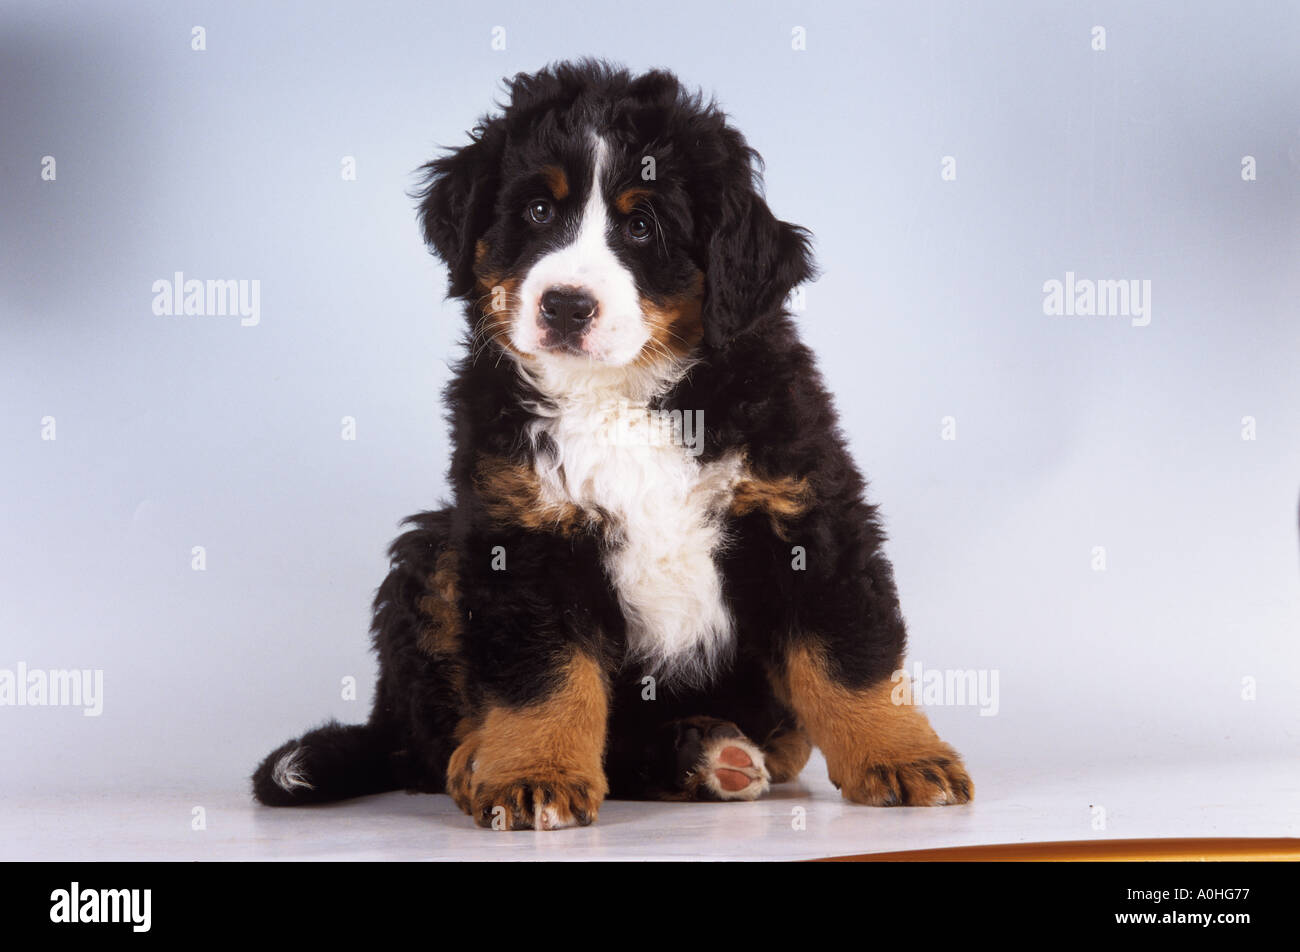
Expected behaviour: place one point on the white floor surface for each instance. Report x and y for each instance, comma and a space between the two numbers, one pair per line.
802, 820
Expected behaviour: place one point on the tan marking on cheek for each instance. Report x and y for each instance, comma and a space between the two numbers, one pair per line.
556, 181
498, 297
627, 200
675, 325
485, 276
512, 494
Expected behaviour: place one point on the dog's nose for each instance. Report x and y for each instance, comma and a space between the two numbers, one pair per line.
568, 310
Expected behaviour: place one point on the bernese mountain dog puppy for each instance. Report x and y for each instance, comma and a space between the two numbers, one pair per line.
659, 577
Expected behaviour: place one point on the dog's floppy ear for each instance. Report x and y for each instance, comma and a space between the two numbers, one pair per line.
752, 260
456, 202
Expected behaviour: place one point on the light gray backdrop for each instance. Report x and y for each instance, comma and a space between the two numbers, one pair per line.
1072, 432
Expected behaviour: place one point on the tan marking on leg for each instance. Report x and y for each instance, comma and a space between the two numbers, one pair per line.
877, 752
512, 494
441, 606
540, 766
786, 752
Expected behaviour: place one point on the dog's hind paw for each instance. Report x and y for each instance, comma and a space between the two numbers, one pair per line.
717, 761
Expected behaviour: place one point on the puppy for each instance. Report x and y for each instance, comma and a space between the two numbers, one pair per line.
659, 577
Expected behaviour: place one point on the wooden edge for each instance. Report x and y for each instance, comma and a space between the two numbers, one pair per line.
1075, 851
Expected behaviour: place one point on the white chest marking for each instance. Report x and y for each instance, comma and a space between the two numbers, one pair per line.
666, 512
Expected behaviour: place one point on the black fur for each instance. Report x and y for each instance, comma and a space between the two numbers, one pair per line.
760, 392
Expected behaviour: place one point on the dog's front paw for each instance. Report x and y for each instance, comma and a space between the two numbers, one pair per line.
542, 797
930, 782
536, 804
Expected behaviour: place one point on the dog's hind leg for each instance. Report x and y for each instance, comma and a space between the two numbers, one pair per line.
692, 758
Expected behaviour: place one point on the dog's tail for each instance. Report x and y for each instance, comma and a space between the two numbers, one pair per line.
337, 761
333, 762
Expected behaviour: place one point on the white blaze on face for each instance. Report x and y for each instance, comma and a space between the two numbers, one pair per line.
666, 510
619, 330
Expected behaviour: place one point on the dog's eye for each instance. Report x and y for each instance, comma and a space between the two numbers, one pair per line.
638, 228
540, 211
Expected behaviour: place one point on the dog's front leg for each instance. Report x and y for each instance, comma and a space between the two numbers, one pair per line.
536, 765
531, 745
880, 748
838, 641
